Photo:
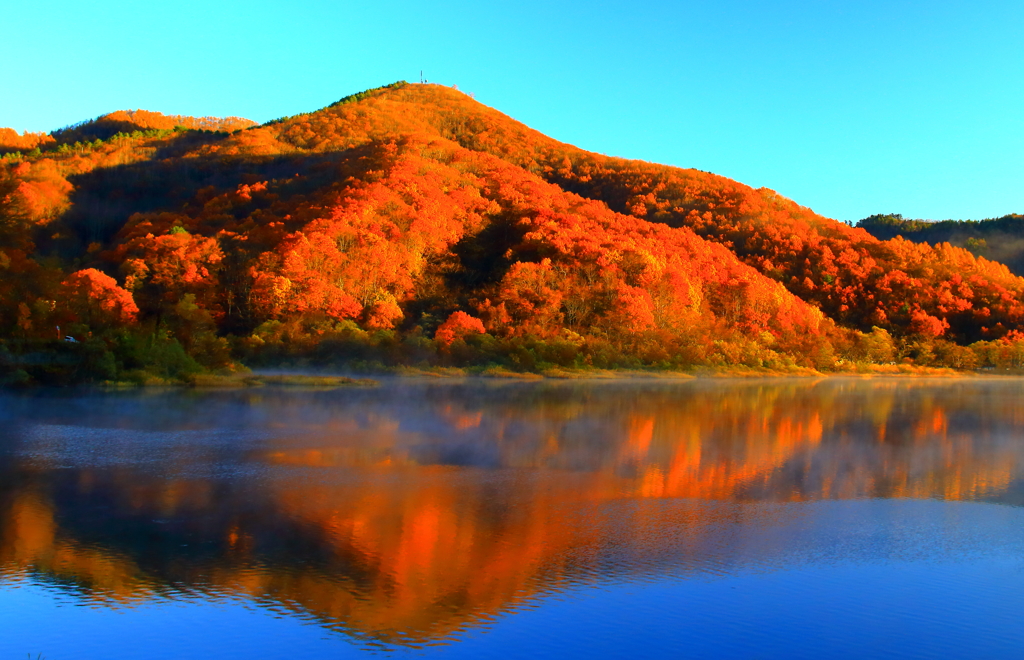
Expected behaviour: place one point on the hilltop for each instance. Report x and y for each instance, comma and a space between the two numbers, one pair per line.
413, 225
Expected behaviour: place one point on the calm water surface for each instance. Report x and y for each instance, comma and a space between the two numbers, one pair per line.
473, 519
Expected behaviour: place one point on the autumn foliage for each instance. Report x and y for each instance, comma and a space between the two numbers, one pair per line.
857, 280
11, 141
458, 326
95, 299
412, 224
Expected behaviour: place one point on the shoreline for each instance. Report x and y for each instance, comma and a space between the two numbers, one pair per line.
306, 378
286, 378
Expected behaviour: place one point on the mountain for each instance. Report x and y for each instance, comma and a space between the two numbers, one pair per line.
412, 225
855, 279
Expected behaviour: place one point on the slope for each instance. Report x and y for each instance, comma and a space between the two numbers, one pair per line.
413, 231
856, 279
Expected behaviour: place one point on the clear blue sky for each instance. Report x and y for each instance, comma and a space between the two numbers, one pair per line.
850, 107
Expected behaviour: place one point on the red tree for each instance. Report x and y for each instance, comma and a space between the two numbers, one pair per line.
95, 299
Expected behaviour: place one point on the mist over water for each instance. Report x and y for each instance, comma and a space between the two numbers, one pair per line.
472, 518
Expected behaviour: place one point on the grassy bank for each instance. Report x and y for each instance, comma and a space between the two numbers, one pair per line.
133, 361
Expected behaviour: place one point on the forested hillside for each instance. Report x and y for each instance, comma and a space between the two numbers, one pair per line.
411, 225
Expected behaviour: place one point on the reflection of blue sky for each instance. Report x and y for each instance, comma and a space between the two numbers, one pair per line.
850, 579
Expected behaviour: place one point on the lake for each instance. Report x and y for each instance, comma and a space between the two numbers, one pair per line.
788, 518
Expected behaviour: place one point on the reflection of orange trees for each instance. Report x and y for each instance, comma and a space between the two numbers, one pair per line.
404, 546
31, 541
723, 446
427, 554
687, 476
920, 457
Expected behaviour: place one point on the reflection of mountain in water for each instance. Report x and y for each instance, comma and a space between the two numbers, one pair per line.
408, 513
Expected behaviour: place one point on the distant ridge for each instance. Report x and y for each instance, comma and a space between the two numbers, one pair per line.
126, 121
11, 141
999, 239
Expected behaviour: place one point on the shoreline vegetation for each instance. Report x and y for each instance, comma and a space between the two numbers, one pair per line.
303, 381
88, 370
312, 353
